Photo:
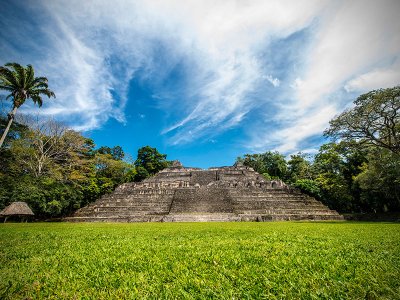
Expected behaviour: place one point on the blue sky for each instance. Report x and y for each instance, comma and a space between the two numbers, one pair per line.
203, 81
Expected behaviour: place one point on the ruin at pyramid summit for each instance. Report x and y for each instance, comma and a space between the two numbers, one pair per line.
180, 194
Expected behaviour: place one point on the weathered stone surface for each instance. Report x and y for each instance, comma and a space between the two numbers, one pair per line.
180, 194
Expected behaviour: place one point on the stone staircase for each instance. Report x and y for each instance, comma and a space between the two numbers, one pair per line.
281, 204
202, 199
138, 206
226, 194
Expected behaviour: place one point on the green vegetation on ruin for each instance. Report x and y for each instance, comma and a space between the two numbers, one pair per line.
200, 261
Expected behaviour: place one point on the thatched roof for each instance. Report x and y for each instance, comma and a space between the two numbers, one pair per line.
17, 209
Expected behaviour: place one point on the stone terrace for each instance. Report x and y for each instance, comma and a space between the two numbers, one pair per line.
180, 194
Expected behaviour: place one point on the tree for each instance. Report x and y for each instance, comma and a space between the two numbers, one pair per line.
22, 84
151, 161
270, 164
55, 169
49, 147
328, 166
299, 167
374, 120
141, 173
15, 129
309, 186
335, 168
275, 164
116, 152
379, 181
254, 161
110, 172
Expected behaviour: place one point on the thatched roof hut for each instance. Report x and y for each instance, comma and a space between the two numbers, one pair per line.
20, 209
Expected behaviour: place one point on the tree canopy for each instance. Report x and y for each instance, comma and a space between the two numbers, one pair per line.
270, 164
116, 152
374, 120
150, 161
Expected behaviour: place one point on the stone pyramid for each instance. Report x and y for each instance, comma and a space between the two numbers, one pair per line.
179, 194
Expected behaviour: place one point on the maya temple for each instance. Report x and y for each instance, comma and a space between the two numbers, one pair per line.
180, 194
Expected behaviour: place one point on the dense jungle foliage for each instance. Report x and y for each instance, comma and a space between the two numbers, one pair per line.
57, 170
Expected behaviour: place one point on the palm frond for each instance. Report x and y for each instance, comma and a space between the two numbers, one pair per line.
19, 72
46, 92
21, 83
37, 100
40, 80
9, 76
6, 88
40, 85
30, 76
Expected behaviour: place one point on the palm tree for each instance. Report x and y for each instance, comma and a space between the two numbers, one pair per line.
22, 85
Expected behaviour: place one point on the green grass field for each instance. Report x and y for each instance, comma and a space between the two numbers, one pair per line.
284, 260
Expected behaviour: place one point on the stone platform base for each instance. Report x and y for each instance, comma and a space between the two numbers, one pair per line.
207, 217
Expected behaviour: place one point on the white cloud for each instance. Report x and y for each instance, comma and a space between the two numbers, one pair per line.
225, 37
375, 79
83, 87
93, 51
220, 38
297, 83
285, 138
352, 36
274, 81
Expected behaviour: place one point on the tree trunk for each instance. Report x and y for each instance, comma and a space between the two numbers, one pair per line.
12, 115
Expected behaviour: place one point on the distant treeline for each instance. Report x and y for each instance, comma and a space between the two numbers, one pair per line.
57, 170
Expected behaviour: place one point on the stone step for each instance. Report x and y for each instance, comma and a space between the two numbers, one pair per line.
132, 205
145, 192
273, 205
142, 218
197, 217
123, 210
296, 199
137, 198
290, 217
192, 217
272, 197
257, 191
202, 210
286, 211
124, 213
129, 201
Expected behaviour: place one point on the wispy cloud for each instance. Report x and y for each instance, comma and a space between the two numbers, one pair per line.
274, 81
384, 77
91, 52
287, 136
353, 49
351, 37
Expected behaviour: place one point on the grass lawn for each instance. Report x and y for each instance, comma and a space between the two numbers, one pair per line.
283, 260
